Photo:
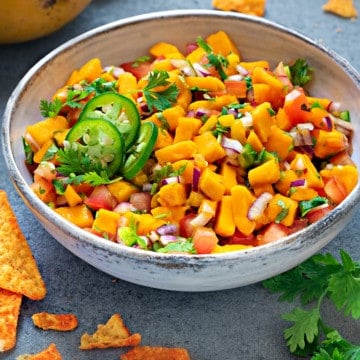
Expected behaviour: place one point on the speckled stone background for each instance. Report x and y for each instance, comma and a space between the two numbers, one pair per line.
243, 323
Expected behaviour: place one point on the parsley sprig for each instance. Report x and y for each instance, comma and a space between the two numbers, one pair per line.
160, 99
318, 278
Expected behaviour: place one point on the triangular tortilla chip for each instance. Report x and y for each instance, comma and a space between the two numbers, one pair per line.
113, 334
344, 8
156, 353
50, 353
10, 303
18, 269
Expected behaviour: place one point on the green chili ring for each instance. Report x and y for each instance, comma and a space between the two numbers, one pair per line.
118, 109
140, 151
100, 142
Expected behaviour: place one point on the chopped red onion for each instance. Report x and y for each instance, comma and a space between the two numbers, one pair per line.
334, 106
241, 70
235, 77
167, 229
231, 144
200, 112
200, 70
46, 169
259, 205
292, 95
300, 164
201, 219
247, 120
171, 180
124, 207
114, 71
184, 66
299, 182
328, 122
166, 239
196, 178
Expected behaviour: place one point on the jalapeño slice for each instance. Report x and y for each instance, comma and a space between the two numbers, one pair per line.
118, 109
99, 143
140, 151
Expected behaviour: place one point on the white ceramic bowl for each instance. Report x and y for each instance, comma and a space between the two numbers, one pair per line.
128, 39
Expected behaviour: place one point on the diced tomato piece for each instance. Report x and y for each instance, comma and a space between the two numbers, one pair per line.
298, 225
297, 107
318, 213
239, 238
204, 240
138, 69
101, 198
272, 233
342, 158
141, 200
335, 190
185, 228
236, 88
44, 189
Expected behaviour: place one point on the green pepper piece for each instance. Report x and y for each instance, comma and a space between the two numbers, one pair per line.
100, 142
118, 109
140, 151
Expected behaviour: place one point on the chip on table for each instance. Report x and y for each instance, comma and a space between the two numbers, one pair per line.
10, 303
344, 8
113, 334
250, 7
50, 353
156, 353
58, 322
18, 269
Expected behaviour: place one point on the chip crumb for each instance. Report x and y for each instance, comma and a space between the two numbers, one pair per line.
18, 269
58, 322
10, 303
113, 334
50, 353
250, 7
344, 8
156, 353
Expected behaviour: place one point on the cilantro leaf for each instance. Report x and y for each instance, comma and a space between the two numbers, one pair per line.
185, 246
305, 329
50, 108
322, 276
344, 287
160, 99
219, 61
300, 72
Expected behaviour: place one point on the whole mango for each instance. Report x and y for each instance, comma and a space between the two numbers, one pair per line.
23, 20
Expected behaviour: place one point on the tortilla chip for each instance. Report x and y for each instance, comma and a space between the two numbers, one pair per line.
10, 303
18, 269
156, 353
250, 7
59, 322
50, 353
344, 8
113, 334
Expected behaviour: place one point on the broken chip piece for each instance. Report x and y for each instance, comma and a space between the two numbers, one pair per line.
156, 353
250, 7
18, 269
59, 322
344, 8
50, 353
10, 303
113, 334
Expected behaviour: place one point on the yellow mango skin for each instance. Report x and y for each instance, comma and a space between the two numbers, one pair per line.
23, 20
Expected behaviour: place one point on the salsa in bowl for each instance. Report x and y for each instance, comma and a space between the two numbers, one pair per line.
184, 161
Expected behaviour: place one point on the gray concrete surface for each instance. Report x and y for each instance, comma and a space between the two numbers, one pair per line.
243, 323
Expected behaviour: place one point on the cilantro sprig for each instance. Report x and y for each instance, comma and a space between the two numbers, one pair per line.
321, 277
160, 99
300, 72
219, 61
